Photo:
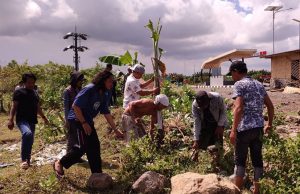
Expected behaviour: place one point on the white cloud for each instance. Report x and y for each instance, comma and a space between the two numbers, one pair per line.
64, 11
32, 10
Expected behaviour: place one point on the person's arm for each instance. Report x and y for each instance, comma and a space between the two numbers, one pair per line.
79, 115
112, 124
153, 121
145, 84
197, 124
40, 112
12, 114
222, 118
222, 113
237, 116
148, 92
270, 108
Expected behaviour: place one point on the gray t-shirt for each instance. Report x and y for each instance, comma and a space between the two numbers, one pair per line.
253, 94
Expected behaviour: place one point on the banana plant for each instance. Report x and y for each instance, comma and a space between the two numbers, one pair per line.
156, 63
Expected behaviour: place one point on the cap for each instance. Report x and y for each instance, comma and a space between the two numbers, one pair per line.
239, 66
138, 68
163, 99
201, 95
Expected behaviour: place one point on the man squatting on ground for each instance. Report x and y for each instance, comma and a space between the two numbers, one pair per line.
132, 116
209, 112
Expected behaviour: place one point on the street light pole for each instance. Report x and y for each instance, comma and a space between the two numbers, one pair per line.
76, 37
299, 30
275, 9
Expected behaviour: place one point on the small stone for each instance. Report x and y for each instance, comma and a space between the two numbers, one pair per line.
150, 182
100, 181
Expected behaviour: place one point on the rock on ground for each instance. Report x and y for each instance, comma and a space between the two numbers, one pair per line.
194, 183
100, 181
150, 182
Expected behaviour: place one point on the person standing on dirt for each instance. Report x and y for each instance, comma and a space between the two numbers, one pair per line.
248, 122
26, 107
134, 89
132, 116
91, 100
209, 112
76, 80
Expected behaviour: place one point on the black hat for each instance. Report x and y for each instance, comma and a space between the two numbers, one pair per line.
75, 77
238, 66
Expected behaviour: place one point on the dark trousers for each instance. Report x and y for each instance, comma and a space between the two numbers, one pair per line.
83, 144
252, 139
71, 138
208, 137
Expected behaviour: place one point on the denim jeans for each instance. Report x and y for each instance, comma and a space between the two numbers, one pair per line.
27, 130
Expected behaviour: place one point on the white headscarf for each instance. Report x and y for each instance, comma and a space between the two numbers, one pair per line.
161, 98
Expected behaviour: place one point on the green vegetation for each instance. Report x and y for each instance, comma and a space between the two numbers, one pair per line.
125, 164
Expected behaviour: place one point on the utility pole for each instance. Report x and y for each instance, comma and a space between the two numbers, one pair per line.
76, 47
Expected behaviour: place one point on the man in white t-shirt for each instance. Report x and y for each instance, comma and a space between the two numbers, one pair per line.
134, 89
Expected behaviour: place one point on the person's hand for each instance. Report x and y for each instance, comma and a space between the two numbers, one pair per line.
119, 134
267, 129
219, 131
196, 144
10, 124
232, 137
156, 91
87, 128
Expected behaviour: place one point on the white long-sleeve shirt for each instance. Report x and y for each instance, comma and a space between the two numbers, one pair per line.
217, 108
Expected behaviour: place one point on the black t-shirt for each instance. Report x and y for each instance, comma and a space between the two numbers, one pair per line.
27, 105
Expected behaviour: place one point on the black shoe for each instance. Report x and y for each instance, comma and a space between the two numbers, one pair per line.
82, 161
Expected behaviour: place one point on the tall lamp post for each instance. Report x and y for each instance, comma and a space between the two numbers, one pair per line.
299, 30
275, 9
76, 47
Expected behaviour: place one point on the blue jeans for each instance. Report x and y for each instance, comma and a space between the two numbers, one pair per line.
27, 130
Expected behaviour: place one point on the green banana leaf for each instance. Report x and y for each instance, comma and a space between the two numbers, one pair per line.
126, 58
112, 59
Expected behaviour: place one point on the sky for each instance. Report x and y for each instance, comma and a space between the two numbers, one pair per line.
192, 30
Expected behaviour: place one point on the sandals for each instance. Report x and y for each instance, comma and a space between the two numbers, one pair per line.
24, 165
59, 174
